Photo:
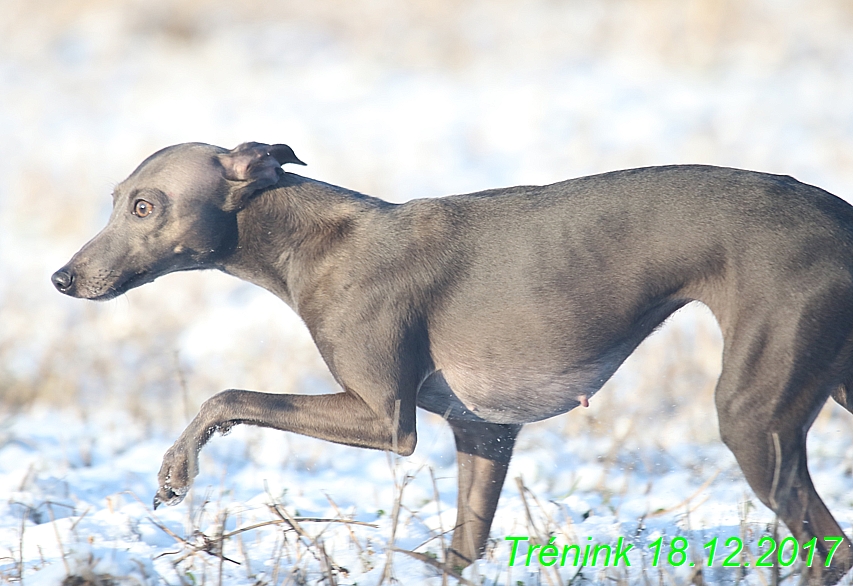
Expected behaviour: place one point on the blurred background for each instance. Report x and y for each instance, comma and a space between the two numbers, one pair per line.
397, 99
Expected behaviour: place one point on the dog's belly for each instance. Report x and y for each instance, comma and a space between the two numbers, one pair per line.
514, 398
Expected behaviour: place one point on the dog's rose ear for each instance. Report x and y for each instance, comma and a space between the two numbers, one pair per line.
253, 166
284, 154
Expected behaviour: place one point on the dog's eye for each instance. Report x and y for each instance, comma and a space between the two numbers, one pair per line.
142, 208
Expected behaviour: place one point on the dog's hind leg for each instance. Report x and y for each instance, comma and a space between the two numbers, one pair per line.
483, 452
767, 398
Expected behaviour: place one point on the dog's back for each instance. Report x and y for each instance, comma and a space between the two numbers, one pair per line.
546, 290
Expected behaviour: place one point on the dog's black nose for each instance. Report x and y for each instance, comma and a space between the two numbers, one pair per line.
62, 280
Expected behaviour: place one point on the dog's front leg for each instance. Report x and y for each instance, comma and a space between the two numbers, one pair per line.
344, 418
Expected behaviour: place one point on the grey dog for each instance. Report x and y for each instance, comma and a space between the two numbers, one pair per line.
508, 306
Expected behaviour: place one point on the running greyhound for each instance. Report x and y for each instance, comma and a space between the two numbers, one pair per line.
508, 306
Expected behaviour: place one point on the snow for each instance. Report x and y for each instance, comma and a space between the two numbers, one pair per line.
398, 100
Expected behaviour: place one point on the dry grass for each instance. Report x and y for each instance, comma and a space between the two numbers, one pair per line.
125, 355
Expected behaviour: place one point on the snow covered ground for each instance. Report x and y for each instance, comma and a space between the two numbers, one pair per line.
79, 491
398, 100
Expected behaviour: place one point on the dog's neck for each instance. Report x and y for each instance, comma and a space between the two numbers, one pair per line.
286, 233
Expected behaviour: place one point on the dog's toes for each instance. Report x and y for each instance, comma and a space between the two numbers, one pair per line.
175, 476
169, 496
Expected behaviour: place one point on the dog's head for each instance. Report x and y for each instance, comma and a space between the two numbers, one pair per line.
177, 211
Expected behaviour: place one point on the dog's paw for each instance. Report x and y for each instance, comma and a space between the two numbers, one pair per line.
176, 475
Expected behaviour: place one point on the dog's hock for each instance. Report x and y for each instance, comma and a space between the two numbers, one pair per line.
254, 166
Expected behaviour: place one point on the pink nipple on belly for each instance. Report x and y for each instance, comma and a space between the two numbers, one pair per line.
583, 400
